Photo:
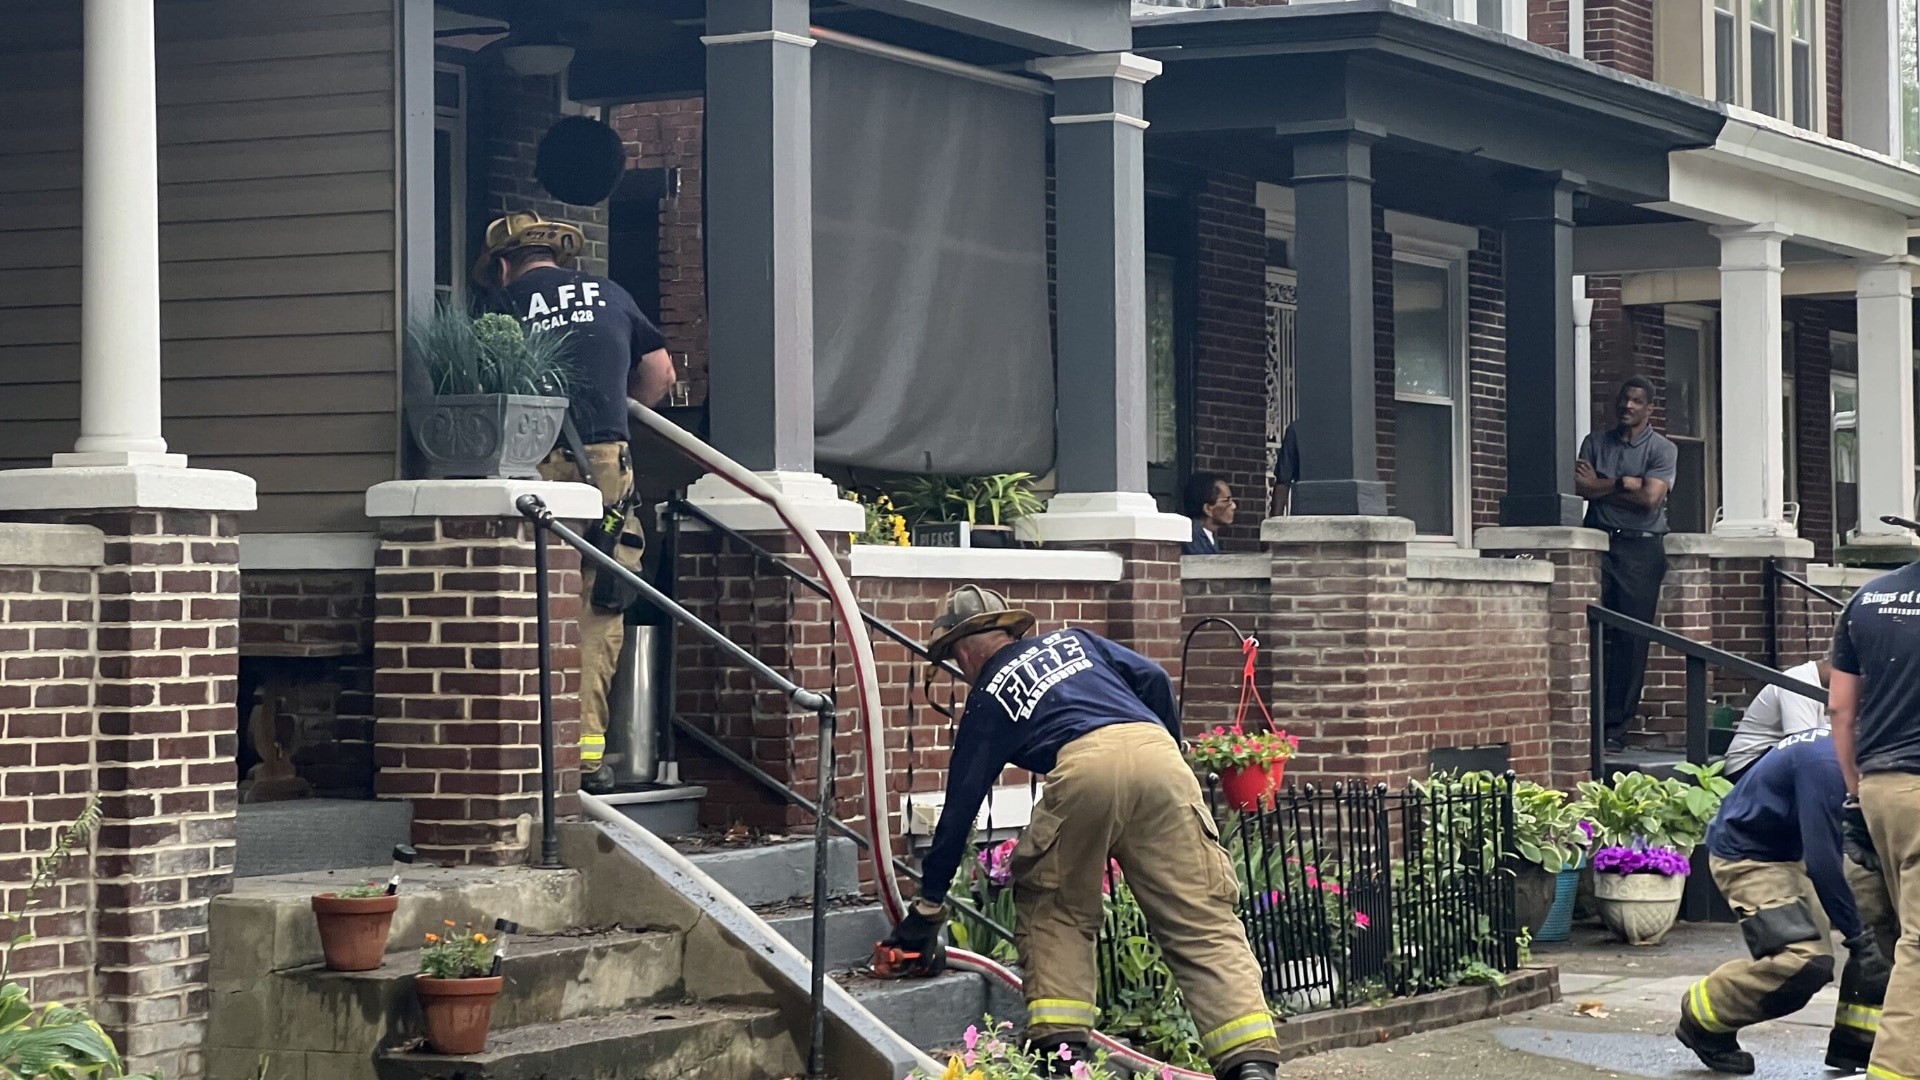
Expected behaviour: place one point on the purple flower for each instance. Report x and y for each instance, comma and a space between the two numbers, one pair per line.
1640, 860
1587, 827
998, 862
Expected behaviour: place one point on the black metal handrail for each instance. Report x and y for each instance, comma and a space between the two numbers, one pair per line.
822, 705
1776, 574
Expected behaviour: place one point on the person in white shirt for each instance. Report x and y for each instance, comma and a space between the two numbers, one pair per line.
1776, 714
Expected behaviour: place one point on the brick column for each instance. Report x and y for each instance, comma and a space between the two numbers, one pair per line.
1338, 635
1143, 607
1238, 588
1574, 555
1737, 574
456, 679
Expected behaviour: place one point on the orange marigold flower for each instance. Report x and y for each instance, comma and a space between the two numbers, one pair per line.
433, 939
479, 939
449, 922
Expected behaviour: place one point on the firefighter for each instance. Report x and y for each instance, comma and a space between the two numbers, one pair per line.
1863, 984
616, 353
1775, 853
1099, 720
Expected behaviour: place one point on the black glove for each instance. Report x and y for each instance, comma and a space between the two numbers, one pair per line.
1857, 839
1868, 963
920, 933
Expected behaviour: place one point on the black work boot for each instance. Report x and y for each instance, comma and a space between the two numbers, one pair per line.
1721, 1053
1250, 1070
1049, 1051
1849, 1050
598, 782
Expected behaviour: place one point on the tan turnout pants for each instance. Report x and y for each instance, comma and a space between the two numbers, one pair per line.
1746, 991
601, 632
1892, 805
1125, 792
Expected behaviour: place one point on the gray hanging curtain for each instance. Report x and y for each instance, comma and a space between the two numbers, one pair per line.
932, 345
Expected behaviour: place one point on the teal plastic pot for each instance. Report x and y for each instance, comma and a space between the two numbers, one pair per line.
1559, 924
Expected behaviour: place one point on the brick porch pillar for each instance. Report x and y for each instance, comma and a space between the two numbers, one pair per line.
163, 728
1737, 579
1337, 634
456, 665
1144, 606
1574, 554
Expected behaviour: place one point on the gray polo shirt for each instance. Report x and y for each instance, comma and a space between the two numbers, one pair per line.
1652, 456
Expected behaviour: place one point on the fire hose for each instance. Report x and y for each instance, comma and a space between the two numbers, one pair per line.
846, 612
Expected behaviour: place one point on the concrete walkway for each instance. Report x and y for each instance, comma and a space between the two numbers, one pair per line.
1625, 1030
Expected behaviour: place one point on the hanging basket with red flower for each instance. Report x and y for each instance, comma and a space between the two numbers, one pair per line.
1250, 763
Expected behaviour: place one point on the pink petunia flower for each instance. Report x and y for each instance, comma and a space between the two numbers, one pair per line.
1360, 920
973, 1036
1065, 1053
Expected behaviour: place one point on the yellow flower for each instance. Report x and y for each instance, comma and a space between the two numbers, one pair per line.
479, 939
433, 939
955, 1070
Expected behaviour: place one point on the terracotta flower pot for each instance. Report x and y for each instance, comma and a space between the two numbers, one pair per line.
1251, 787
458, 1011
1640, 908
353, 931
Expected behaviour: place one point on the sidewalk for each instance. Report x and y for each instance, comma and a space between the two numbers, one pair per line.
1637, 990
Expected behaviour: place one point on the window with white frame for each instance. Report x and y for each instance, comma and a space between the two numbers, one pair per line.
1907, 62
449, 182
1768, 56
1690, 422
1430, 384
1507, 15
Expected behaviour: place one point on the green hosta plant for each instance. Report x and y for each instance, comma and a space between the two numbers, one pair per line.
1546, 827
1657, 812
52, 1041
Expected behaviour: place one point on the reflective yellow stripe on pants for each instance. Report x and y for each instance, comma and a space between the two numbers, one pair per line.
592, 749
1858, 1017
1701, 1007
1061, 1013
1887, 1074
1236, 1033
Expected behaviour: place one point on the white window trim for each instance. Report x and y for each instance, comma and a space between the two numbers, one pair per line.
1702, 321
1446, 245
453, 121
1835, 379
1513, 15
1685, 57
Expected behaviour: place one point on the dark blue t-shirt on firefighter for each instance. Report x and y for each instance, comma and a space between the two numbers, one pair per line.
1786, 809
1034, 697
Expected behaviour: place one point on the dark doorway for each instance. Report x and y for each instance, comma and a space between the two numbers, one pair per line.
633, 234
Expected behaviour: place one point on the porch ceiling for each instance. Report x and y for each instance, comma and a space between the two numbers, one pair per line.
1459, 109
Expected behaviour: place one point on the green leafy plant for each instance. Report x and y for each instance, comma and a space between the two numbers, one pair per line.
53, 1041
362, 892
460, 953
492, 354
1654, 811
977, 500
992, 1052
1546, 827
1232, 748
885, 525
1144, 1004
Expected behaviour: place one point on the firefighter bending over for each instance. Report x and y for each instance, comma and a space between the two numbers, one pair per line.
1099, 720
1775, 852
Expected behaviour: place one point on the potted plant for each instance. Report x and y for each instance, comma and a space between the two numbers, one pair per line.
1638, 890
456, 989
353, 926
1250, 764
987, 505
499, 394
1655, 811
1551, 838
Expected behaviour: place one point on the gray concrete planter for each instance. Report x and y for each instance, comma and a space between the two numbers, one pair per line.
488, 435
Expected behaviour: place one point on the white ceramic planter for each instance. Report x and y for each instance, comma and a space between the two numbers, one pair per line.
1640, 908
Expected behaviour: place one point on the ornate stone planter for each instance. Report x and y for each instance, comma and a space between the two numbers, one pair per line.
477, 436
1640, 908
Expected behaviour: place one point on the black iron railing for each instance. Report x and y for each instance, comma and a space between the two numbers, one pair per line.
820, 704
1777, 578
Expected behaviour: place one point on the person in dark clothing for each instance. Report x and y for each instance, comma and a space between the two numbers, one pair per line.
1208, 503
616, 353
1776, 853
1625, 474
1286, 472
1099, 720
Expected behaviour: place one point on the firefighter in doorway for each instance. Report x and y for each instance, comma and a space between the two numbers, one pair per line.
1775, 852
1099, 720
617, 353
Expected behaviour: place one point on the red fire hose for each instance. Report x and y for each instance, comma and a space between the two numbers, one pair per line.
846, 612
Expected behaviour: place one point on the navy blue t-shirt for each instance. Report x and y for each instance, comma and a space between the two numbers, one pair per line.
1786, 808
607, 334
1878, 639
1034, 697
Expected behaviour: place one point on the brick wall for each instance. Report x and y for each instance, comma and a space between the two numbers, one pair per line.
1487, 377
1215, 662
1626, 341
327, 710
671, 135
1478, 656
1620, 35
1230, 349
47, 668
1576, 584
1383, 373
1547, 23
518, 113
1687, 609
457, 684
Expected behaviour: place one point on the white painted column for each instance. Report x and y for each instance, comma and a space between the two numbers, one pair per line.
1752, 472
1582, 362
120, 243
1884, 306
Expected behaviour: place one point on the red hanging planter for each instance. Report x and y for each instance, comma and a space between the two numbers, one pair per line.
1252, 787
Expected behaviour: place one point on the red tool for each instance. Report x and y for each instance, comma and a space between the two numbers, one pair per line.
892, 962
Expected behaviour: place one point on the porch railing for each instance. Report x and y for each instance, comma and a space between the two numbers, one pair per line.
1779, 579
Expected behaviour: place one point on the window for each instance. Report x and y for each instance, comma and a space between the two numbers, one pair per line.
1909, 70
1846, 449
1428, 382
1507, 15
1163, 401
449, 182
1765, 55
1170, 437
1690, 418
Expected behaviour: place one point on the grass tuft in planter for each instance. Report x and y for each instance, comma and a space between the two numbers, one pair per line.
499, 394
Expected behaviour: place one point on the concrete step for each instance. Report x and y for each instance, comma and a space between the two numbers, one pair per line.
931, 1013
661, 810
782, 872
683, 1042
851, 932
303, 835
549, 979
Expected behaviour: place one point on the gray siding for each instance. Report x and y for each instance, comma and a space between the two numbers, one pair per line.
277, 243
